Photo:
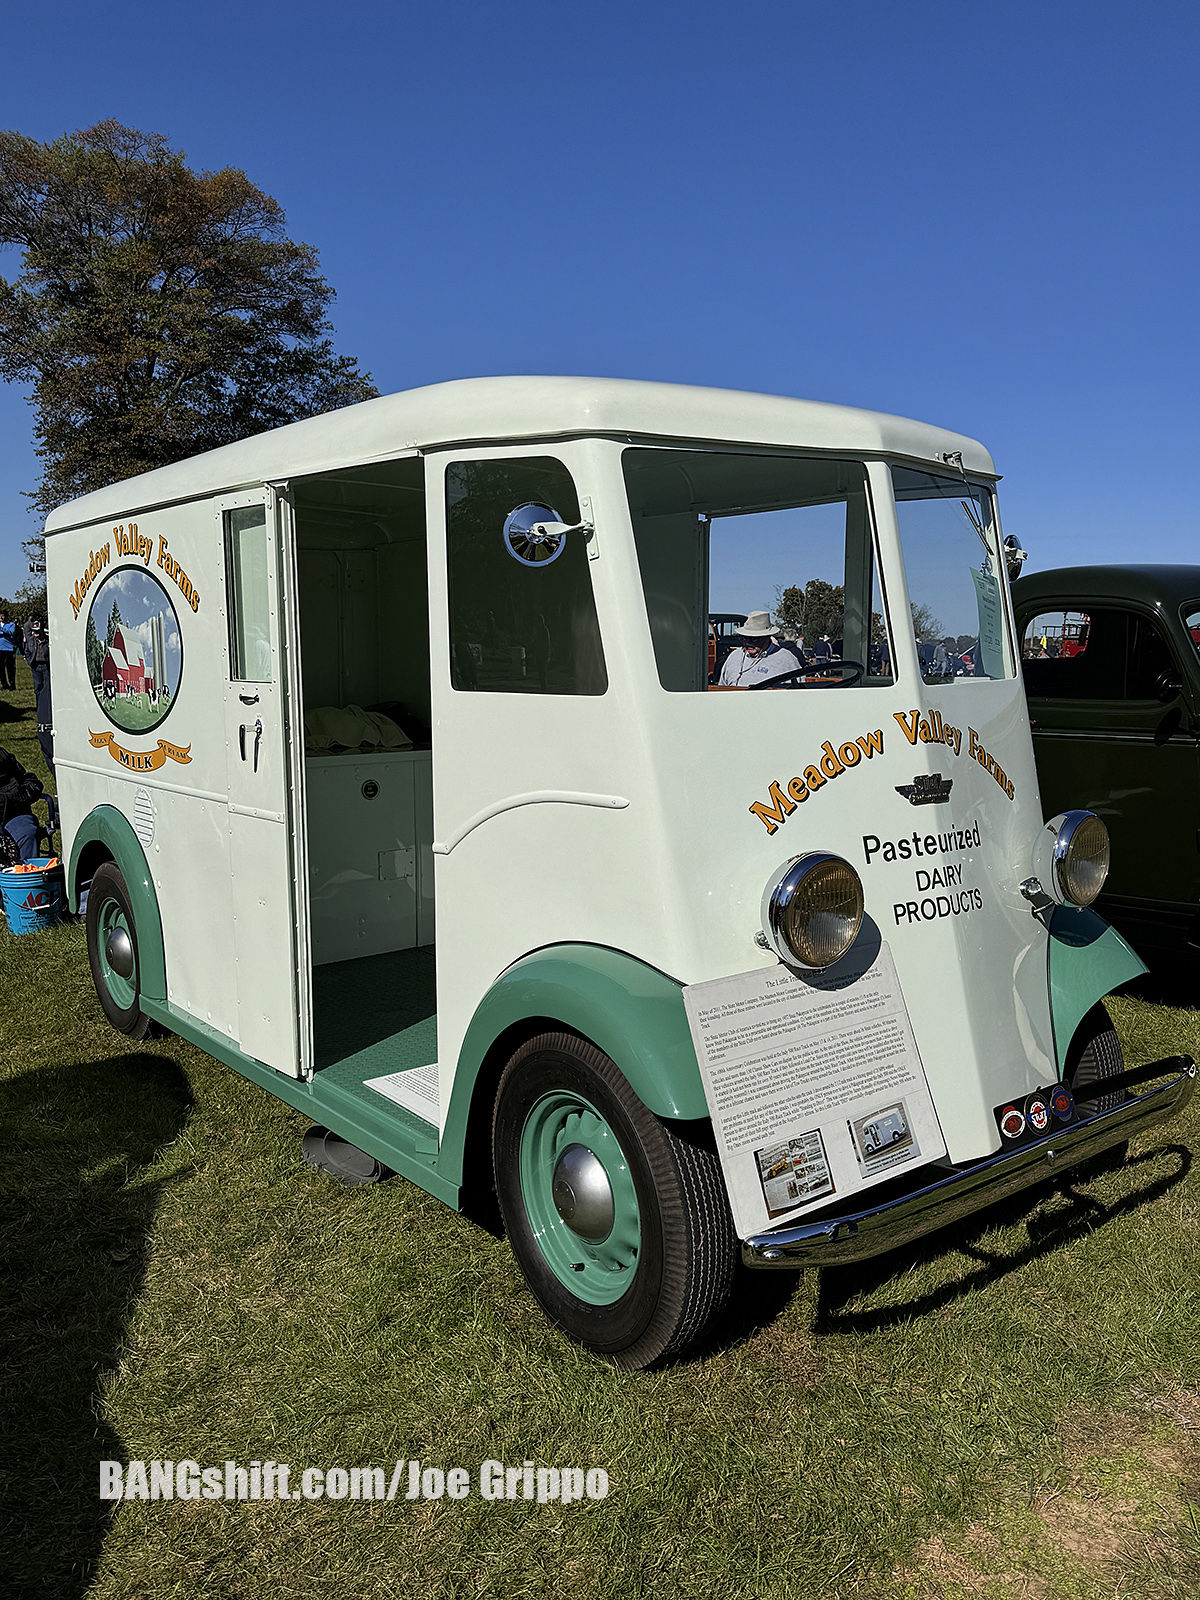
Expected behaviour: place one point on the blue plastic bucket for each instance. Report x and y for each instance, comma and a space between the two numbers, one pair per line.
32, 900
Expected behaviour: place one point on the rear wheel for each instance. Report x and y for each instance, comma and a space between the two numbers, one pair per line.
113, 952
619, 1221
1095, 1054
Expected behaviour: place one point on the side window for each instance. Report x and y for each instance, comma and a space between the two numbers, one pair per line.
1191, 623
955, 576
1103, 654
756, 569
522, 615
247, 595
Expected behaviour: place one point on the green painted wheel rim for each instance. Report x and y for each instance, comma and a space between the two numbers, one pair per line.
122, 991
597, 1272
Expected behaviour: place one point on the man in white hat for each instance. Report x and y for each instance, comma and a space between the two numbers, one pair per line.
759, 657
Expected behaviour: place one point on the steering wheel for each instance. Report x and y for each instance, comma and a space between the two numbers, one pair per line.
789, 678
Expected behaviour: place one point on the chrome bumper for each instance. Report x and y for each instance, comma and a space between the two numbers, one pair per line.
840, 1240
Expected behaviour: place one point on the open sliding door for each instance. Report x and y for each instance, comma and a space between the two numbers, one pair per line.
263, 766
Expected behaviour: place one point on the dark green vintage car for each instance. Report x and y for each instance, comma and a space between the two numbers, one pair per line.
1111, 660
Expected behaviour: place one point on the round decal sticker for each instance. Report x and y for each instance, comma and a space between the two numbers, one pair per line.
1062, 1102
134, 651
1012, 1123
1038, 1113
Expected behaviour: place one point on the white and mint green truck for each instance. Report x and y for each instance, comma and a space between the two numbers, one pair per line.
790, 966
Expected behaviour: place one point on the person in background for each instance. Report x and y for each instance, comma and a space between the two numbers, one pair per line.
8, 652
37, 652
759, 657
18, 790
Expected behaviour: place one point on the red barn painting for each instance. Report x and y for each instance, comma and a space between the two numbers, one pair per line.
124, 666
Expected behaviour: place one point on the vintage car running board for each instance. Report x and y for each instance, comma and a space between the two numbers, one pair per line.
839, 1241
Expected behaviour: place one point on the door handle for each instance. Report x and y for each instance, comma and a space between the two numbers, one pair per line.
242, 740
248, 699
258, 733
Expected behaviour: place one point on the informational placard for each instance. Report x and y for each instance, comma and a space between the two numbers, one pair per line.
991, 623
814, 1085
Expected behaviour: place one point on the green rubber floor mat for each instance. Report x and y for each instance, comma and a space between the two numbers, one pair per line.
375, 1015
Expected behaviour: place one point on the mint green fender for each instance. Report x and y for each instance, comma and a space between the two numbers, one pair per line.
105, 832
631, 1011
1087, 960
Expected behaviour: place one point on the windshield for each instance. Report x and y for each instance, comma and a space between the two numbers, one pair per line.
954, 567
759, 571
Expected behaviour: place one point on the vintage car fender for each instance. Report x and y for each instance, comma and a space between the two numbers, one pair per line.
631, 1011
1087, 959
105, 834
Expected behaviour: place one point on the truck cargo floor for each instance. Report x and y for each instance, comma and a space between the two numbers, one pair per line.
375, 1015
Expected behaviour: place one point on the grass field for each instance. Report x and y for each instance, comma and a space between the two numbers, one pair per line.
1012, 1408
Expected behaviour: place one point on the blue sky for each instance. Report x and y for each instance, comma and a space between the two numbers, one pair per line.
982, 216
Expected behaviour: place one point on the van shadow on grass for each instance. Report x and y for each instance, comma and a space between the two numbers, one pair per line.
1160, 1170
760, 1296
75, 1217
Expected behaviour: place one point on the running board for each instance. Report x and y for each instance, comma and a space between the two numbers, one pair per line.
393, 1135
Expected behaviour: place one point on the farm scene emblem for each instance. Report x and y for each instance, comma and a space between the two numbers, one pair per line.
134, 652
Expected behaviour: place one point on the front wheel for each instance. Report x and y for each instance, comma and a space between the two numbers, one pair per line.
113, 952
619, 1221
1095, 1054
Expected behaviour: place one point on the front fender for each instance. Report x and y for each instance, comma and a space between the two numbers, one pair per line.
106, 827
631, 1011
1087, 959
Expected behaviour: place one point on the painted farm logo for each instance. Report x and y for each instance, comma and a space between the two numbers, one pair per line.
780, 803
134, 651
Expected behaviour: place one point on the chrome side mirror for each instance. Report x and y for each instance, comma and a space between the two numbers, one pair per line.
1014, 557
535, 535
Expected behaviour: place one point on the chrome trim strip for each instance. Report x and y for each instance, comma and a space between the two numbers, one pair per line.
539, 797
839, 1241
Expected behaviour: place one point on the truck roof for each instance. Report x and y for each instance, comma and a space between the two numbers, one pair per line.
487, 411
1152, 585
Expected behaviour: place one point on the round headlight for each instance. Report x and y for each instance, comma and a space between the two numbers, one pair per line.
1081, 856
812, 910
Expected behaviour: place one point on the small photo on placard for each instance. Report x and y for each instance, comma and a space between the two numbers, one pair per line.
883, 1137
793, 1172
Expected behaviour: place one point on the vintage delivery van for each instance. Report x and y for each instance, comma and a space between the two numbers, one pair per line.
792, 959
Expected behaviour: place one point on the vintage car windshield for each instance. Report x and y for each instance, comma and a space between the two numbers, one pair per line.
955, 586
759, 571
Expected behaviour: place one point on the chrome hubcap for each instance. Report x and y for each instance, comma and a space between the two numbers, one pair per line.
583, 1196
118, 952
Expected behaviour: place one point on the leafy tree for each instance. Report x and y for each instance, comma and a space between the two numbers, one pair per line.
925, 625
811, 609
28, 602
160, 312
